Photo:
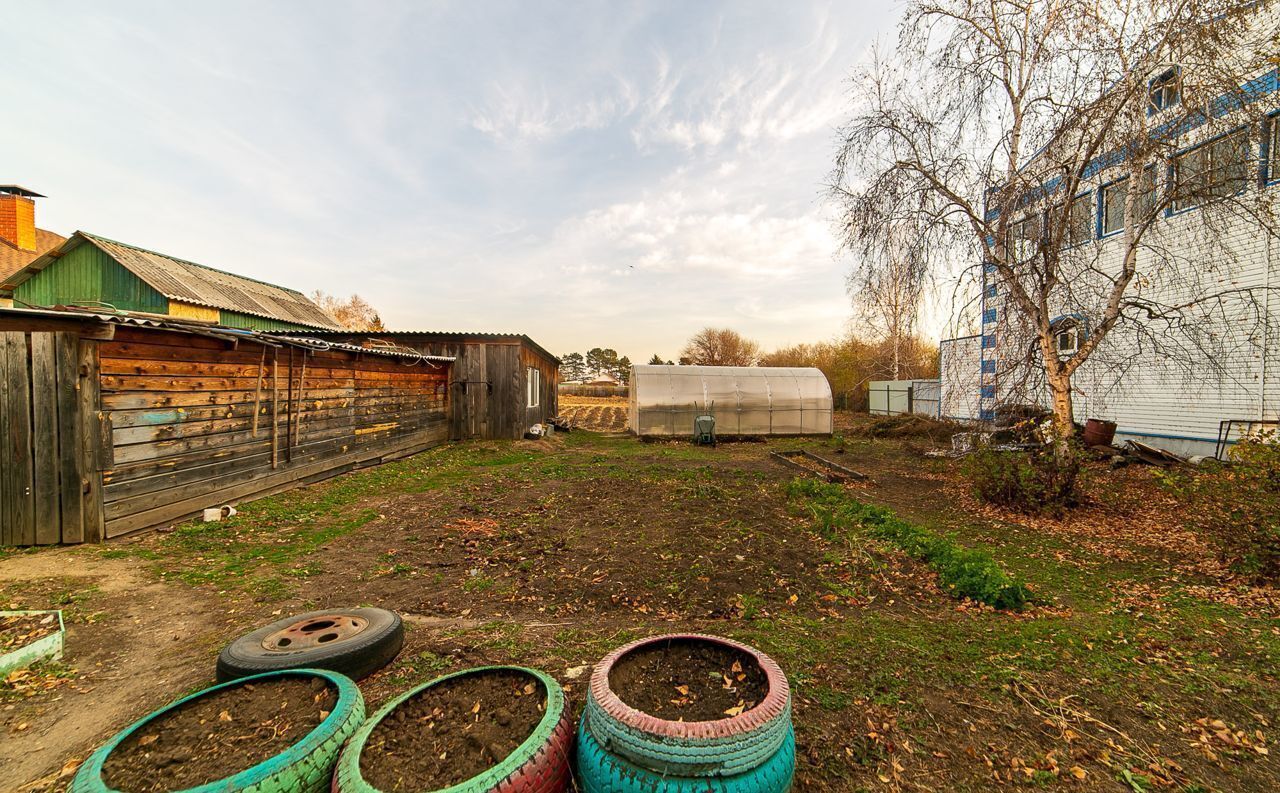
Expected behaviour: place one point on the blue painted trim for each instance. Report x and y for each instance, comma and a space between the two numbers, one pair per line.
1168, 437
988, 341
988, 392
989, 315
988, 366
986, 414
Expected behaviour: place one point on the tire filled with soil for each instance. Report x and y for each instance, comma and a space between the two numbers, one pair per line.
281, 729
688, 705
488, 729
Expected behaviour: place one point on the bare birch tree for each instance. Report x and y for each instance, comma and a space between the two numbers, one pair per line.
979, 128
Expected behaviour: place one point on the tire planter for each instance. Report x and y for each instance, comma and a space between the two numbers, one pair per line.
305, 767
540, 764
600, 771
724, 747
353, 642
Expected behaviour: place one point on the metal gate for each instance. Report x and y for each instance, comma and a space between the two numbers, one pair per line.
51, 440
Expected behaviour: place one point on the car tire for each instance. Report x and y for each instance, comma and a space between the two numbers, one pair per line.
601, 771
305, 767
541, 764
724, 747
363, 641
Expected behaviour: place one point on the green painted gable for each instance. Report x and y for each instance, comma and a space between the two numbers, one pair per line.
87, 273
234, 319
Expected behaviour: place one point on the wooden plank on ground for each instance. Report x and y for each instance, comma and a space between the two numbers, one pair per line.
44, 411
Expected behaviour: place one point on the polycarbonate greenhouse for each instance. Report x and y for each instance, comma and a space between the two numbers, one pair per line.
746, 400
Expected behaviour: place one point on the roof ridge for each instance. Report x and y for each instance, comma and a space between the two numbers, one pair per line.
99, 237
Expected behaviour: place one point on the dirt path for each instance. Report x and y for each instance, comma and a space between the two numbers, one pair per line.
132, 641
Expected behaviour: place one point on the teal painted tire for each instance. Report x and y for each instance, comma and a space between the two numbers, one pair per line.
602, 772
305, 767
541, 764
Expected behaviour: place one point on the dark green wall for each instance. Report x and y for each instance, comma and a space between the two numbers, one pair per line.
234, 319
86, 273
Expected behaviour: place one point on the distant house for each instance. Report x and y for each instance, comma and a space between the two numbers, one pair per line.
602, 378
20, 241
88, 270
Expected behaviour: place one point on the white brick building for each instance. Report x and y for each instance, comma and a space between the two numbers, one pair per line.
1179, 397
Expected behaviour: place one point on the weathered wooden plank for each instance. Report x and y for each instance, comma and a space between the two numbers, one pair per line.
272, 482
8, 526
92, 434
44, 411
19, 461
70, 459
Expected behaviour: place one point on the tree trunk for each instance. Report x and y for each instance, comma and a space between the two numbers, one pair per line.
1063, 426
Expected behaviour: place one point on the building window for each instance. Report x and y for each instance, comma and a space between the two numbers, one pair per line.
1025, 238
1114, 196
1273, 149
1079, 221
1217, 169
1166, 90
1068, 333
533, 386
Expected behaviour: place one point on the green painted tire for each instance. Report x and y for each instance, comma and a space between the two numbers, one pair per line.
602, 772
305, 767
541, 764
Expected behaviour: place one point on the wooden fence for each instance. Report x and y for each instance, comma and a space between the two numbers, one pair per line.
51, 439
104, 437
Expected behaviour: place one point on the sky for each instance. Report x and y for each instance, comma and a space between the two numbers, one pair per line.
592, 174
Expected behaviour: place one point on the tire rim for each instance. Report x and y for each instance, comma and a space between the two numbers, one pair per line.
315, 632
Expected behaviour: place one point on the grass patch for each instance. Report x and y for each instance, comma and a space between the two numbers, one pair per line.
964, 572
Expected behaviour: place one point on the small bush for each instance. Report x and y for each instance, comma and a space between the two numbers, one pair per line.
964, 572
1237, 507
1038, 482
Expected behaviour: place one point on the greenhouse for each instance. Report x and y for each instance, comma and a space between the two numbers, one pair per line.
745, 400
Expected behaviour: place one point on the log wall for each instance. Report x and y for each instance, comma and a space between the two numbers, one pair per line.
196, 422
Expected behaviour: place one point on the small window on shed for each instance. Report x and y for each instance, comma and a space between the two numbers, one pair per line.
1068, 333
1166, 90
533, 386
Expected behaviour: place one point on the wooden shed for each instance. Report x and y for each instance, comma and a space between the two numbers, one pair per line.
113, 423
502, 383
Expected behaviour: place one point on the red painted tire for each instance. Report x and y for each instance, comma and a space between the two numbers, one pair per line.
723, 747
538, 765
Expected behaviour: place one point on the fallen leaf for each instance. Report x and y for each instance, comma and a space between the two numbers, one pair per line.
684, 690
475, 708
147, 740
224, 716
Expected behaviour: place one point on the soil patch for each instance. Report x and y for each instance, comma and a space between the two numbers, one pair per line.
219, 735
689, 680
19, 630
453, 731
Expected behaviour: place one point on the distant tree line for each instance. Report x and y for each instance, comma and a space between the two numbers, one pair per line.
575, 366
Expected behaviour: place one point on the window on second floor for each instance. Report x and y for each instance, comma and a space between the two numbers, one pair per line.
1165, 90
1025, 237
1215, 169
1115, 194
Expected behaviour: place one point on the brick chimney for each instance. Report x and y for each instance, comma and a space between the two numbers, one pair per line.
18, 217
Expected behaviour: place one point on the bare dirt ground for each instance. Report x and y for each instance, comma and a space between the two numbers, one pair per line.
1141, 667
132, 643
596, 414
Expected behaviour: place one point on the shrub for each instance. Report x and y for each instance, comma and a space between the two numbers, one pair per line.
1039, 481
964, 572
1237, 506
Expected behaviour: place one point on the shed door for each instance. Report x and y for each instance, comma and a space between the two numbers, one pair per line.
50, 440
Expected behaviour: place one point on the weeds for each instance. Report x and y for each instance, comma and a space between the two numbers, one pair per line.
964, 572
1040, 481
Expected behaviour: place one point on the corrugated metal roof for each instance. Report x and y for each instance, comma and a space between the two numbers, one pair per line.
437, 334
230, 334
188, 282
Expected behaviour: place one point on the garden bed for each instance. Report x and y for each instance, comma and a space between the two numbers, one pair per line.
218, 735
453, 730
689, 680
